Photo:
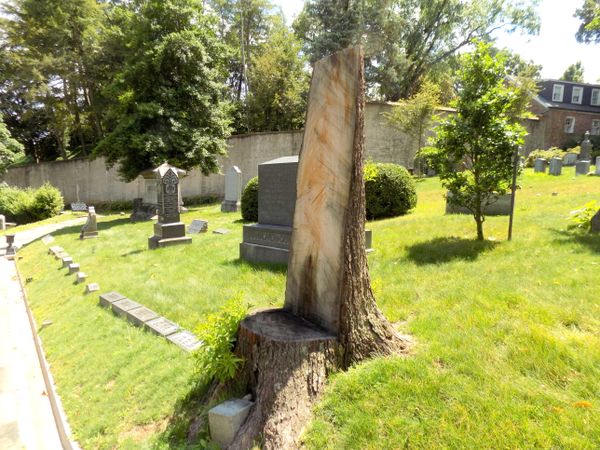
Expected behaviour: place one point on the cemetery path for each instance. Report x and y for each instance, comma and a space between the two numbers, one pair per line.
26, 418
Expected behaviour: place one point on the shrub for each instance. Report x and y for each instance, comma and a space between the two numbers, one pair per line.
47, 202
389, 189
215, 358
250, 201
552, 152
28, 205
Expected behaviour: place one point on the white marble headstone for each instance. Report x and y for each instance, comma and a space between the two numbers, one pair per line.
233, 184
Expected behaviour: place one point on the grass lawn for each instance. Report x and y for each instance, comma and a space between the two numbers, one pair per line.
67, 215
507, 334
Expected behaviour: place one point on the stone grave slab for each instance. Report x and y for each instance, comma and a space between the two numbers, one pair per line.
78, 206
66, 261
221, 231
139, 316
61, 255
81, 276
73, 268
186, 340
48, 239
55, 249
92, 287
198, 226
109, 298
162, 326
120, 307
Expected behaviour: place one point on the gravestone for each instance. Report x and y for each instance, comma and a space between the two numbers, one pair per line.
268, 241
225, 419
120, 307
2, 222
109, 298
54, 250
90, 229
540, 165
169, 230
161, 326
582, 167
595, 224
586, 148
92, 287
73, 268
221, 231
48, 239
78, 206
142, 211
500, 206
11, 250
66, 262
81, 276
233, 190
185, 340
198, 226
556, 166
569, 159
597, 165
139, 316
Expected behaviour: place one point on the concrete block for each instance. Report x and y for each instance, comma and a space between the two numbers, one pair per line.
225, 420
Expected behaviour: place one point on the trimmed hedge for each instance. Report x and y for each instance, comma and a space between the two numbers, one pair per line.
250, 201
29, 205
390, 191
552, 152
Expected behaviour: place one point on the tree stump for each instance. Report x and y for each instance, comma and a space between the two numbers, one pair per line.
287, 361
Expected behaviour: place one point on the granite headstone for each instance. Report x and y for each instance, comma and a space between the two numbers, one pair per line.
198, 226
569, 159
556, 166
540, 165
233, 190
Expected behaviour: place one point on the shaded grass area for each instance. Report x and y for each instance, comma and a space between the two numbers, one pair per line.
508, 333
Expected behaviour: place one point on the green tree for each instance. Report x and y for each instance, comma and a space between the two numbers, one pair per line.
474, 148
406, 39
10, 149
279, 84
414, 116
589, 29
574, 73
171, 91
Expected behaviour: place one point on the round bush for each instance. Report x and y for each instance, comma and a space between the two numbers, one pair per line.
250, 201
47, 202
389, 189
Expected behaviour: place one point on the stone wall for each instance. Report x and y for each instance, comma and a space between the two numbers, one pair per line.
90, 181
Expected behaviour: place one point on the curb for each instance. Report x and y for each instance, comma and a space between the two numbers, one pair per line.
60, 419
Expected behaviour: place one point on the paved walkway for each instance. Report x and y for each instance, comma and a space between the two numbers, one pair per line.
26, 420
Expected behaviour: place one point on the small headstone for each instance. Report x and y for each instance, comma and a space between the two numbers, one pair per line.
48, 239
595, 228
11, 250
92, 287
225, 419
586, 148
90, 229
540, 165
162, 326
81, 276
570, 159
139, 316
109, 298
233, 190
221, 231
78, 206
120, 307
2, 223
73, 268
186, 340
556, 166
582, 167
198, 226
61, 255
598, 165
55, 249
66, 262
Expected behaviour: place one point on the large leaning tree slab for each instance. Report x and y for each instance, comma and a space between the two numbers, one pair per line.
330, 319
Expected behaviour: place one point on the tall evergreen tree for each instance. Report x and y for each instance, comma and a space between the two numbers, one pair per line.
171, 91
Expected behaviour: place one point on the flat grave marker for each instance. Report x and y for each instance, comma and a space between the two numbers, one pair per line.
92, 287
81, 276
186, 340
198, 226
55, 249
67, 261
162, 326
48, 239
120, 307
73, 268
109, 298
139, 316
221, 231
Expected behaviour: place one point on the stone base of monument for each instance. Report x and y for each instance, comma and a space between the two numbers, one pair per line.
500, 207
287, 359
230, 206
271, 243
167, 234
88, 235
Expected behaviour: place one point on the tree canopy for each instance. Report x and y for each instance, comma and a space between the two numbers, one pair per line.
589, 29
574, 73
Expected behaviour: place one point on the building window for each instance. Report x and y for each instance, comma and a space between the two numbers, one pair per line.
557, 92
577, 95
570, 125
596, 127
596, 97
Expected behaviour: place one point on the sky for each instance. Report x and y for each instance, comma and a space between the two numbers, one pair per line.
555, 48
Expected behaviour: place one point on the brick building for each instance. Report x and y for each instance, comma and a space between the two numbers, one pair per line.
566, 110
